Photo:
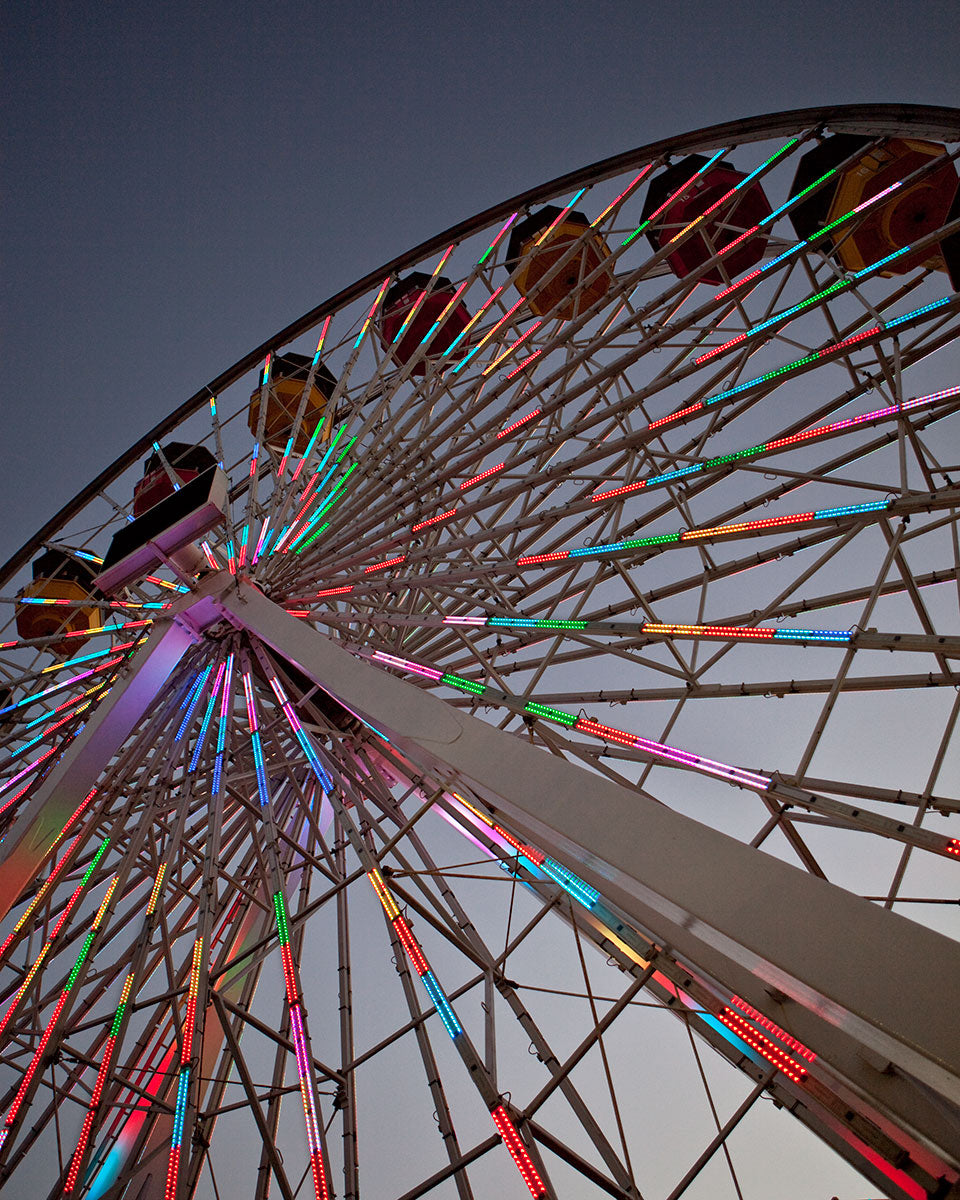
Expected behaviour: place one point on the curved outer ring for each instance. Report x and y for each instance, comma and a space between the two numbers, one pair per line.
916, 120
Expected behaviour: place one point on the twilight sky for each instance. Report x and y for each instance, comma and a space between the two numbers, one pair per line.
183, 180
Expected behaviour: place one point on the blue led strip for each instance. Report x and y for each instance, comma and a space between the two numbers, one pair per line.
442, 1004
194, 701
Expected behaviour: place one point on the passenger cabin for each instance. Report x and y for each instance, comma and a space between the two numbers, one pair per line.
404, 333
69, 582
543, 246
910, 213
288, 374
185, 461
686, 193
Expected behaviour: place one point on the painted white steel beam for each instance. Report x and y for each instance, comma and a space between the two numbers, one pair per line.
872, 992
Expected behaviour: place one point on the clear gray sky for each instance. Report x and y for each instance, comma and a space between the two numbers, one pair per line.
181, 180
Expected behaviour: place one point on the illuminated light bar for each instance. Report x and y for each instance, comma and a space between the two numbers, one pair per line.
736, 188
489, 250
231, 557
557, 219
469, 483
301, 1054
553, 714
155, 893
298, 612
572, 884
388, 902
57, 687
194, 701
442, 1004
517, 424
409, 943
473, 320
838, 286
554, 556
775, 1029
763, 1045
323, 462
322, 338
260, 540
208, 714
32, 766
225, 702
94, 1104
415, 308
464, 620
300, 733
510, 349
448, 308
526, 362
263, 788
532, 623
722, 770
444, 516
464, 685
38, 1057
373, 309
405, 664
808, 241
626, 191
779, 443
518, 1152
337, 591
310, 540
488, 335
387, 562
40, 896
670, 199
89, 657
205, 547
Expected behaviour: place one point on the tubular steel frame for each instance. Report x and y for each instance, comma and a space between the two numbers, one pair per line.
253, 781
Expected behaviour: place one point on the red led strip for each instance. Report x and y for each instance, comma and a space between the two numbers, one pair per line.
763, 1046
409, 943
451, 512
516, 425
689, 535
467, 483
774, 1028
518, 1152
556, 556
340, 591
389, 562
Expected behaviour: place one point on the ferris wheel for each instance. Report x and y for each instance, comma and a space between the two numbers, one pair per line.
510, 716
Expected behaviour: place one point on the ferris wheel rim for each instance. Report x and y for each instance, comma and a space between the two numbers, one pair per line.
918, 120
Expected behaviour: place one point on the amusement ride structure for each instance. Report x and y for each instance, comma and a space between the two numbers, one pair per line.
502, 732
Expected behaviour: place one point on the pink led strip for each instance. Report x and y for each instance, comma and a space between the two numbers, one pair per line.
821, 431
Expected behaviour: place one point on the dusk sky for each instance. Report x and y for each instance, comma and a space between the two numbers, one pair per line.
182, 181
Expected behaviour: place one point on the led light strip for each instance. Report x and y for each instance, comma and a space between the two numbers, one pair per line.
37, 1061
670, 199
294, 1005
822, 431
656, 750
97, 1095
183, 1079
208, 714
373, 309
225, 703
834, 348
710, 533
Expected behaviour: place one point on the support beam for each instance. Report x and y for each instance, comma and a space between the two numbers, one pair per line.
866, 988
